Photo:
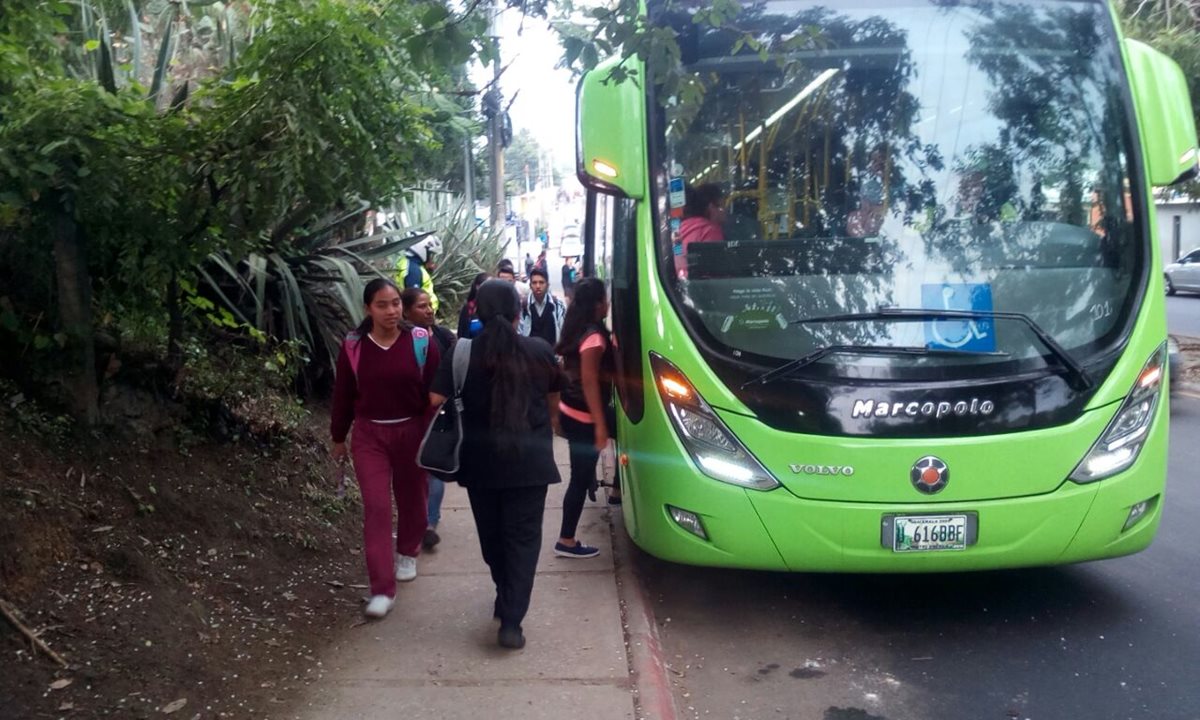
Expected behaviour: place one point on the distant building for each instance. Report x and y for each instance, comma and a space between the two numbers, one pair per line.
1178, 227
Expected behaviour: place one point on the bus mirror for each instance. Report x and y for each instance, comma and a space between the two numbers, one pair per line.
1164, 110
610, 126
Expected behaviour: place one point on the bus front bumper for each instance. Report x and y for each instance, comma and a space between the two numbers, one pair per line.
776, 530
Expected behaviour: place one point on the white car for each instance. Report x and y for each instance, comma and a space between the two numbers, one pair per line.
1184, 273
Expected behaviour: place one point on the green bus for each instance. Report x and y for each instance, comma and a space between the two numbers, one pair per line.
885, 283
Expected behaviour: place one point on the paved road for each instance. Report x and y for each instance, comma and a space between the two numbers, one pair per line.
1106, 640
1183, 315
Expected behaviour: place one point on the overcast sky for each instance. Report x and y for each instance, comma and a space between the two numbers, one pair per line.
545, 95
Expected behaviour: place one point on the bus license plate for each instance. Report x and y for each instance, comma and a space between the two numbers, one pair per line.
918, 533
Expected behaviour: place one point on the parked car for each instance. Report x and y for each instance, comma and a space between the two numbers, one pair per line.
1184, 273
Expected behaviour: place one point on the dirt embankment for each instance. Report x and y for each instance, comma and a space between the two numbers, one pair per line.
195, 581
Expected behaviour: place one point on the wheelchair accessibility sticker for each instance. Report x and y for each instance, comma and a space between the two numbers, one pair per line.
972, 335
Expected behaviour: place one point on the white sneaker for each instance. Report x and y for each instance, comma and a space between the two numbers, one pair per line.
379, 606
406, 568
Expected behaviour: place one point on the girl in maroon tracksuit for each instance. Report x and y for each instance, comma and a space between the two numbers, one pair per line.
388, 395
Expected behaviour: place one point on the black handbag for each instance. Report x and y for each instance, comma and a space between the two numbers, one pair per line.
440, 447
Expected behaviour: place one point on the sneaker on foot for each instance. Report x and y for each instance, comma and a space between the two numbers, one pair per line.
431, 538
379, 606
510, 637
578, 550
406, 568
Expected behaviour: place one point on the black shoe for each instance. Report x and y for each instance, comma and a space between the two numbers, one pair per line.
578, 550
431, 538
614, 499
511, 638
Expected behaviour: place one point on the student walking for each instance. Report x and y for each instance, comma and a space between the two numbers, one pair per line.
418, 310
510, 400
543, 315
586, 349
382, 385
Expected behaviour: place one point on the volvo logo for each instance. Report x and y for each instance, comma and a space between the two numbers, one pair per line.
929, 475
925, 408
845, 470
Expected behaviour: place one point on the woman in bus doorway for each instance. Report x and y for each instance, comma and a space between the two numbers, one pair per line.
586, 406
382, 385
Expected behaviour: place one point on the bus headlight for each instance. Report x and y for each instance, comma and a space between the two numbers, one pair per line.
715, 450
1122, 440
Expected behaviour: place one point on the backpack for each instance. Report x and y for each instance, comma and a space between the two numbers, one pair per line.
420, 340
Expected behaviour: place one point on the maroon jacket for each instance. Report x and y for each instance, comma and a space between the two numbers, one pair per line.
390, 385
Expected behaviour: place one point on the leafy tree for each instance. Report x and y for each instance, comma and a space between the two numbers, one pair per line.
107, 188
521, 160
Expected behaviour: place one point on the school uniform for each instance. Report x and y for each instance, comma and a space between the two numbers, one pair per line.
387, 400
508, 497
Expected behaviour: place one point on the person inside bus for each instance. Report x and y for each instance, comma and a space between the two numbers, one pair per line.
867, 219
703, 220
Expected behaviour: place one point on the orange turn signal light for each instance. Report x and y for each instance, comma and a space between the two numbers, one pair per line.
674, 388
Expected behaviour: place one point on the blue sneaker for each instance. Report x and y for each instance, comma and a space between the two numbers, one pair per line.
578, 550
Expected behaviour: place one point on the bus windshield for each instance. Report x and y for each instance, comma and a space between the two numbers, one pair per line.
920, 154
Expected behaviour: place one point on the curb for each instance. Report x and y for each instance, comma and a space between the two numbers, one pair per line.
652, 696
1187, 389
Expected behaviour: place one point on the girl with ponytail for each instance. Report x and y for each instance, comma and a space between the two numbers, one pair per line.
510, 404
587, 417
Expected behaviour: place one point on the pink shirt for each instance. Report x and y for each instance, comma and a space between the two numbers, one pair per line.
695, 229
595, 340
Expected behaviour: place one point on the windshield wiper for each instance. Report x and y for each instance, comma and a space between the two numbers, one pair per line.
793, 365
1079, 377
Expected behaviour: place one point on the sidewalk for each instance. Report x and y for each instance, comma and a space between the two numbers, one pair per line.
435, 655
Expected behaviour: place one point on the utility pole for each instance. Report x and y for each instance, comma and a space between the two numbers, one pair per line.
469, 174
493, 102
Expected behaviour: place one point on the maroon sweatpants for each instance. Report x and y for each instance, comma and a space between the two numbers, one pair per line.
385, 459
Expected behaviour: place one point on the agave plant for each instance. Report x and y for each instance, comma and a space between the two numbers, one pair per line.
312, 291
468, 246
186, 42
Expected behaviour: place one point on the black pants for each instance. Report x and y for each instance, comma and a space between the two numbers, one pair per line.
509, 523
581, 437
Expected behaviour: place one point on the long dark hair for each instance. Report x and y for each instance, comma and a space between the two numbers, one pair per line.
369, 293
504, 358
581, 314
473, 293
697, 199
410, 297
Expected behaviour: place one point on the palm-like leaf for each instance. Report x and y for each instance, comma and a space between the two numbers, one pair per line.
312, 290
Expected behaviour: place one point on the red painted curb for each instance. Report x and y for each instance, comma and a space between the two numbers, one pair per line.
653, 698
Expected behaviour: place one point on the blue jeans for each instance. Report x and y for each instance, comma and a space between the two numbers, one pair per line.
437, 491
